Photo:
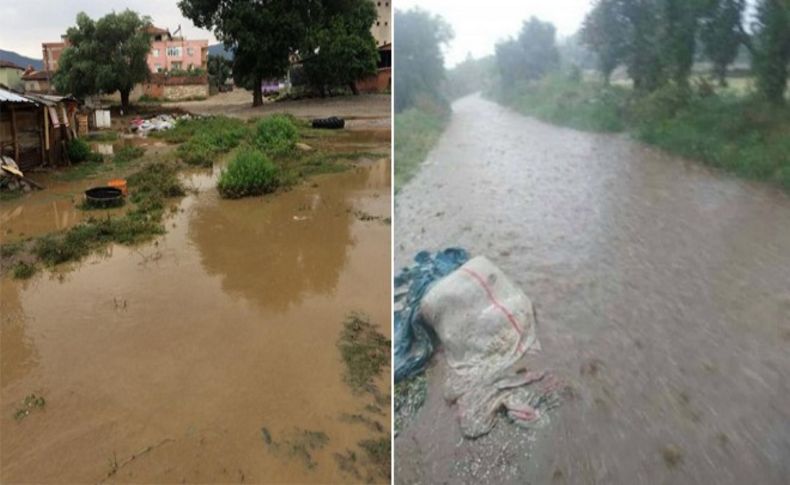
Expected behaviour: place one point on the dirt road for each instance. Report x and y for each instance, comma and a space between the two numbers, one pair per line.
663, 298
363, 110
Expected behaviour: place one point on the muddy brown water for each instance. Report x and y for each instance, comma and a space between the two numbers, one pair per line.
180, 351
663, 298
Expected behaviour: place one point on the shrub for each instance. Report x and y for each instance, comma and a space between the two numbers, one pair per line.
156, 180
78, 150
205, 138
250, 173
198, 151
276, 135
23, 270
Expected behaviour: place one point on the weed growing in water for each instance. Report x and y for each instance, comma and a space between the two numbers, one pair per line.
30, 403
365, 351
23, 270
127, 153
276, 135
250, 173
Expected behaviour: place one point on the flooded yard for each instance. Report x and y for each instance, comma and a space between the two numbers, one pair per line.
209, 354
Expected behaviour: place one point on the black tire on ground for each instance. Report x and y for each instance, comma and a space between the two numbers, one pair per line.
332, 123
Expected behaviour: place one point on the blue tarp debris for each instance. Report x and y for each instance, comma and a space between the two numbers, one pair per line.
413, 344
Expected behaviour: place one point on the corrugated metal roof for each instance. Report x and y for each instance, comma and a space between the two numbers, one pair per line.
7, 96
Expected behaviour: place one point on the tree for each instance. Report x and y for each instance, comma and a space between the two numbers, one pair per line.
771, 48
264, 34
531, 55
105, 56
721, 35
679, 25
218, 70
344, 50
419, 37
605, 31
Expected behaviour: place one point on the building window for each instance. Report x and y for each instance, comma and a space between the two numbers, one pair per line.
155, 52
175, 66
174, 52
190, 51
378, 23
158, 67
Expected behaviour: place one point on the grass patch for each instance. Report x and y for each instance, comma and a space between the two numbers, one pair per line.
365, 352
149, 187
78, 150
23, 270
379, 453
416, 132
276, 135
8, 250
299, 443
410, 395
739, 134
10, 194
204, 139
80, 171
250, 173
31, 403
127, 153
584, 106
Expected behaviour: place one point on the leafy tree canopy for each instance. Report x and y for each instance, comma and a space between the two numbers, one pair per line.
105, 56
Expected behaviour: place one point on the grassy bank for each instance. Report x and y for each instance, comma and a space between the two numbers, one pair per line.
739, 134
416, 132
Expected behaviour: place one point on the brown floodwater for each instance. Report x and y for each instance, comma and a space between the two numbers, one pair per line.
179, 352
662, 291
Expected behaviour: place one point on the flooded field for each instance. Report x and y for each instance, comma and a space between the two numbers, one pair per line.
210, 354
662, 291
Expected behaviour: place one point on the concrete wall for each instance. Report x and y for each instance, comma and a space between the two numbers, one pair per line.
380, 83
12, 78
382, 27
186, 91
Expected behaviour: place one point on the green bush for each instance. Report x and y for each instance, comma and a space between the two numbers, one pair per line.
250, 173
198, 151
78, 150
276, 135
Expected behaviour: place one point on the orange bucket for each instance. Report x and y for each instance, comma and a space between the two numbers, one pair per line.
119, 184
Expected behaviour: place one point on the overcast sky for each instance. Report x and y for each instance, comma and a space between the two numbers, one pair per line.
28, 23
480, 24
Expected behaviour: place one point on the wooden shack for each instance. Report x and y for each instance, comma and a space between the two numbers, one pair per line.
35, 128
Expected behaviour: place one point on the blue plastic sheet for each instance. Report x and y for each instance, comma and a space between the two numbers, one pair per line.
413, 344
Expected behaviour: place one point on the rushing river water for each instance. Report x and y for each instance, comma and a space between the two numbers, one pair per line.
187, 358
663, 297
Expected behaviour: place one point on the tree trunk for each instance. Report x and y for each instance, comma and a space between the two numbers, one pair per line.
353, 86
125, 99
257, 92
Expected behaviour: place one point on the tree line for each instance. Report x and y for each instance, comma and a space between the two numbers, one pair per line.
658, 42
331, 38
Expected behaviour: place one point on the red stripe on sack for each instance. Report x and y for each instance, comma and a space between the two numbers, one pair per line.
494, 301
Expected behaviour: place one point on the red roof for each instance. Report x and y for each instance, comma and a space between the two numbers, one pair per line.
10, 65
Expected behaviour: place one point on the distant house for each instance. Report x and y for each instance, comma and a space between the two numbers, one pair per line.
382, 32
175, 53
37, 81
168, 53
11, 75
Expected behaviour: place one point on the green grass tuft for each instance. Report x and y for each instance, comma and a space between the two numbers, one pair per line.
249, 173
364, 350
276, 135
416, 132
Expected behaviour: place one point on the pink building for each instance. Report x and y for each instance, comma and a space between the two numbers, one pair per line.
171, 53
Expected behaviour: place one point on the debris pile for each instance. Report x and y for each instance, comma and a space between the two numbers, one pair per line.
157, 123
486, 326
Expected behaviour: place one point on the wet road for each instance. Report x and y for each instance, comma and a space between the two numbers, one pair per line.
663, 297
163, 363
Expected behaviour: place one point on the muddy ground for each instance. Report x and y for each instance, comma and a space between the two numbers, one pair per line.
210, 354
662, 291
